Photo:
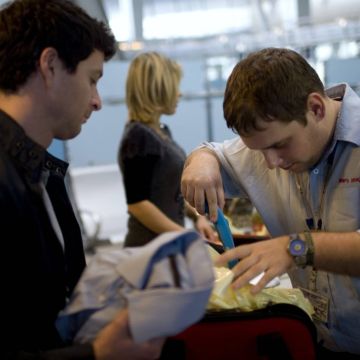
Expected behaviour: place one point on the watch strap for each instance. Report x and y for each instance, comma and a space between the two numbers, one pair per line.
310, 248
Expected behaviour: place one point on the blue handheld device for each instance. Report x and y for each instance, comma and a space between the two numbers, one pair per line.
223, 229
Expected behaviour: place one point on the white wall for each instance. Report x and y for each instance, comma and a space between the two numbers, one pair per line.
99, 191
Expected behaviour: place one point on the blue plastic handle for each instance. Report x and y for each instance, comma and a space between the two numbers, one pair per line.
223, 229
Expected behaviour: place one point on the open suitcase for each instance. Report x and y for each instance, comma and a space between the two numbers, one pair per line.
279, 331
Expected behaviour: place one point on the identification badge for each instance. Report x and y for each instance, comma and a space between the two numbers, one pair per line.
320, 304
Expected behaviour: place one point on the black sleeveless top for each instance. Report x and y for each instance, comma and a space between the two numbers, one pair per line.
151, 167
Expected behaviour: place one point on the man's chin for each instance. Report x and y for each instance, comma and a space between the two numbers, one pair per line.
69, 135
76, 133
298, 168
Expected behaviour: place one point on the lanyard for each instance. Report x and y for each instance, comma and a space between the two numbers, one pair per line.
314, 219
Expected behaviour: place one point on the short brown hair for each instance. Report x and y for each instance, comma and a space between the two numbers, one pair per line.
27, 27
270, 84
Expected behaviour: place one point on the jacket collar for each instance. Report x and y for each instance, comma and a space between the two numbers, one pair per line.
29, 157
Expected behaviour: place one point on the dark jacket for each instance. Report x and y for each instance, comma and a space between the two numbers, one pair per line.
37, 275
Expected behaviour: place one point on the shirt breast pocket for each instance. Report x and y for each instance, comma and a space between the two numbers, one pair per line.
344, 209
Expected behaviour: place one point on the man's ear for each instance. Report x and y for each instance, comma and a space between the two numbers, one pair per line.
48, 63
316, 105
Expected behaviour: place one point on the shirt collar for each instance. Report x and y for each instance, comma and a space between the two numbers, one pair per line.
347, 125
28, 156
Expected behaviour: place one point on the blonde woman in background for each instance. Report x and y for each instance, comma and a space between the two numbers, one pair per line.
150, 160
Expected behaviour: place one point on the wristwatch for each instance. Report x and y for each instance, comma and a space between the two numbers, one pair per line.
302, 250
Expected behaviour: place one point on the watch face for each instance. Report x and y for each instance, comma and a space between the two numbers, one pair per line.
297, 247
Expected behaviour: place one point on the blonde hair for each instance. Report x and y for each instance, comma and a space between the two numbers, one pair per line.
152, 86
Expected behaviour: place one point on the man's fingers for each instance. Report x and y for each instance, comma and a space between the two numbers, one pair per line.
188, 193
246, 270
211, 236
265, 279
211, 198
200, 202
236, 253
220, 197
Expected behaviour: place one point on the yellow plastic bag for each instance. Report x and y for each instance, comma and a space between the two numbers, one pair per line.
223, 296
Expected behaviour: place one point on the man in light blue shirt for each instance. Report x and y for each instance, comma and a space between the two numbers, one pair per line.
297, 159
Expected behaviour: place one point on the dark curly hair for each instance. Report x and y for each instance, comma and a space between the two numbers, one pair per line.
29, 26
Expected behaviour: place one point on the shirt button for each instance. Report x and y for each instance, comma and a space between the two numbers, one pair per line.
316, 171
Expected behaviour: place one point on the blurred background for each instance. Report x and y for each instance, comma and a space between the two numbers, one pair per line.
207, 37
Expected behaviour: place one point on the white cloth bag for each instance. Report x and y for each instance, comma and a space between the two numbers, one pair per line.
165, 284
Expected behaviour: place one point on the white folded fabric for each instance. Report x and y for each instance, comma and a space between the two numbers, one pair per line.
165, 284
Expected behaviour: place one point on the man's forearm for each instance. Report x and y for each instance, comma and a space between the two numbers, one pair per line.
337, 252
201, 151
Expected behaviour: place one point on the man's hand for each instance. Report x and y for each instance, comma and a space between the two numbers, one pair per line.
115, 342
201, 180
206, 229
269, 256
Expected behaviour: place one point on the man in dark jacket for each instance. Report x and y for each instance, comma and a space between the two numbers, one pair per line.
52, 56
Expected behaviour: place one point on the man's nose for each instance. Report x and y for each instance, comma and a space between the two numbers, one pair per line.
96, 101
272, 158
